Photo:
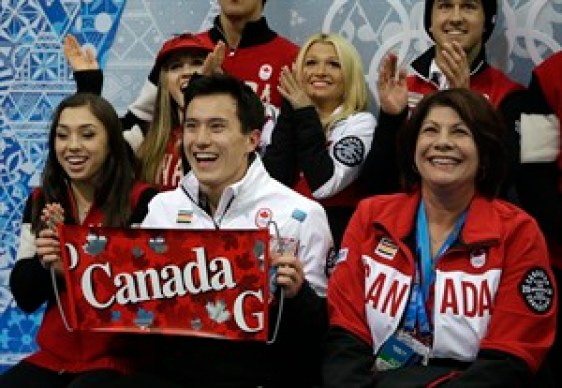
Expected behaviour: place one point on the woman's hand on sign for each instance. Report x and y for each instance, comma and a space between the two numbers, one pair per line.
48, 249
47, 242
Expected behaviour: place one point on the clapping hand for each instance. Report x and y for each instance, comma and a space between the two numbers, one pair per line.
391, 85
454, 64
291, 89
213, 61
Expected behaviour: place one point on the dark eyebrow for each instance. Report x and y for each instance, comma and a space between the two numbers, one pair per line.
83, 126
209, 120
218, 119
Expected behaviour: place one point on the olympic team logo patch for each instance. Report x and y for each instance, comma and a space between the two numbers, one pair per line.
349, 151
263, 216
478, 258
265, 72
537, 290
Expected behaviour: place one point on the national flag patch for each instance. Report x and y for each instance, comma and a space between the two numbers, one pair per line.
263, 216
184, 216
386, 248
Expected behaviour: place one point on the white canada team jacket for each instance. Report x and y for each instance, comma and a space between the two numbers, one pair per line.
250, 204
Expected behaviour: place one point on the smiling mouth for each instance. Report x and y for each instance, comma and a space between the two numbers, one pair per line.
205, 157
444, 161
320, 83
76, 161
455, 33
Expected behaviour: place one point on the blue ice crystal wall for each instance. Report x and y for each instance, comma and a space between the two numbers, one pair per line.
34, 77
126, 34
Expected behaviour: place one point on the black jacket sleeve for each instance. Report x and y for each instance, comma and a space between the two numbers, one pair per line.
30, 283
347, 361
492, 369
89, 81
380, 173
141, 207
313, 157
280, 157
302, 327
510, 109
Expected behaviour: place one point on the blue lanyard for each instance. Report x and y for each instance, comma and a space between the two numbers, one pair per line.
425, 272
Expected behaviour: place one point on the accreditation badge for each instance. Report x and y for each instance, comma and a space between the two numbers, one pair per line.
400, 350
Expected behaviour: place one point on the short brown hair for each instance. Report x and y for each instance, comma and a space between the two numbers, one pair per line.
484, 122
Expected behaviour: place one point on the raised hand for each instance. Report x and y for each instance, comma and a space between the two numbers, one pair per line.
454, 64
214, 60
292, 90
391, 85
78, 58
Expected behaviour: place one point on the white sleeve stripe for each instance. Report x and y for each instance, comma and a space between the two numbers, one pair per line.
134, 137
540, 138
27, 247
143, 107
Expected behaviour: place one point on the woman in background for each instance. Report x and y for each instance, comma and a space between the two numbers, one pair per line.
324, 130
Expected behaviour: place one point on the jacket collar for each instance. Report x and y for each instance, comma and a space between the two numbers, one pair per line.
399, 217
254, 33
255, 178
422, 64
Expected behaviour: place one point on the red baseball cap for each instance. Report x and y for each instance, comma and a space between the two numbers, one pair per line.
183, 42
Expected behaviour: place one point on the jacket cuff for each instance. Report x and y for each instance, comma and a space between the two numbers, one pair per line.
89, 81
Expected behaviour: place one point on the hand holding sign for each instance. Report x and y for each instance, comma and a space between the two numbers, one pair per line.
288, 268
48, 247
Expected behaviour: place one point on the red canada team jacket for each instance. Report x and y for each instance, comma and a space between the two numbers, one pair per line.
59, 349
494, 289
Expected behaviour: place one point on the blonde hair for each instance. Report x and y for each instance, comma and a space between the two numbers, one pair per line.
152, 149
355, 97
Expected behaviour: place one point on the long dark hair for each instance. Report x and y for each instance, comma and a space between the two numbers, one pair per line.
116, 178
484, 122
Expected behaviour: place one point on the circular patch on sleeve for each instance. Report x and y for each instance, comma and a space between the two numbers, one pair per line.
349, 151
537, 290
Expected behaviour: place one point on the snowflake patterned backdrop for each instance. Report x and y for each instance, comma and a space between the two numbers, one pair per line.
34, 78
126, 34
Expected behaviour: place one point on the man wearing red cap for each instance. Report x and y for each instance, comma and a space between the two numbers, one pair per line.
460, 29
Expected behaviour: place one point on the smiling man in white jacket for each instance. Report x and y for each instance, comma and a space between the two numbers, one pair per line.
229, 188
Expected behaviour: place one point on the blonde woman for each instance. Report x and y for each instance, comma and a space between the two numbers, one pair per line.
324, 130
157, 150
